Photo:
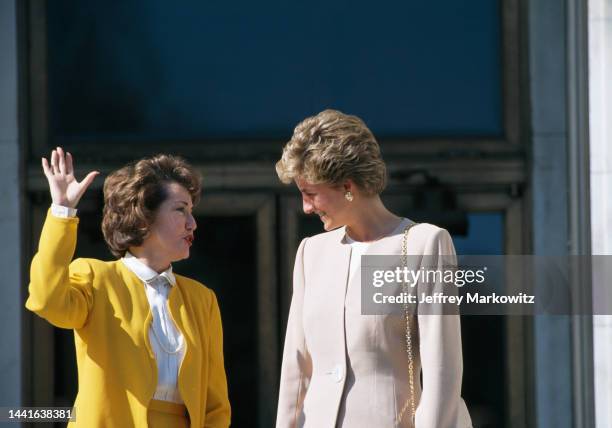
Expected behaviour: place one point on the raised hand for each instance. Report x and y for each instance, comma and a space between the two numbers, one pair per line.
65, 189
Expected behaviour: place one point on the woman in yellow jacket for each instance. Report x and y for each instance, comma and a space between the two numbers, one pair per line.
148, 342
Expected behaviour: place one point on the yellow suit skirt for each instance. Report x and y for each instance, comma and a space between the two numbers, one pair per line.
165, 414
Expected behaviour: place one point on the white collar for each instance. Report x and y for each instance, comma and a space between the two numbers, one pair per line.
346, 239
144, 272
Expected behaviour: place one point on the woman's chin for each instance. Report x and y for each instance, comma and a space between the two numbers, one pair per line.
328, 224
181, 255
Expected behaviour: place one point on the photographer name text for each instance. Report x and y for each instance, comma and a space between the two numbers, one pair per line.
441, 298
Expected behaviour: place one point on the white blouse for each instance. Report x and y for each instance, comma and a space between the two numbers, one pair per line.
166, 340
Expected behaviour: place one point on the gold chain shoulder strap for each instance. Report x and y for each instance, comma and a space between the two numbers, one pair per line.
410, 401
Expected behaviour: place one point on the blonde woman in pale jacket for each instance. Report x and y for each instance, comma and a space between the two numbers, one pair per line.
341, 368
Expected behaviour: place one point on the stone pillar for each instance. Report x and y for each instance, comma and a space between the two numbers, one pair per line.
549, 184
600, 106
11, 306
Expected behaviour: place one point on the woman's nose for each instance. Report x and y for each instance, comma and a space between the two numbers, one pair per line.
191, 223
307, 206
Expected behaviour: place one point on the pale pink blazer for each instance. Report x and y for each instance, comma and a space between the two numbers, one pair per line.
344, 369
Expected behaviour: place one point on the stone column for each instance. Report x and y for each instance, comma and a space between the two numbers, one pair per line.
600, 106
11, 306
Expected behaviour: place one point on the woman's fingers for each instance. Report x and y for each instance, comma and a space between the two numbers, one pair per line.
88, 180
65, 189
54, 162
69, 166
83, 185
62, 161
46, 168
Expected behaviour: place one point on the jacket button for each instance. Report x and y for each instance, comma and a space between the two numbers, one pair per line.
338, 373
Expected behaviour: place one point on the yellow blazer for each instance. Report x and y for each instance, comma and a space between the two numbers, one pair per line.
106, 305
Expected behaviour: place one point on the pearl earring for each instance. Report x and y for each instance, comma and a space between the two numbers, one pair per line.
349, 196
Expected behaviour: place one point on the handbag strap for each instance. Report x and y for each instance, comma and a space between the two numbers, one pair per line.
410, 401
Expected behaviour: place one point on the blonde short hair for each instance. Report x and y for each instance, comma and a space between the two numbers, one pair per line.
332, 147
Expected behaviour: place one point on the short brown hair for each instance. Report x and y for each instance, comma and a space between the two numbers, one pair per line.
330, 148
133, 194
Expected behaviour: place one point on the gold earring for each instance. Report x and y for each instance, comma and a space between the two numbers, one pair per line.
349, 196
